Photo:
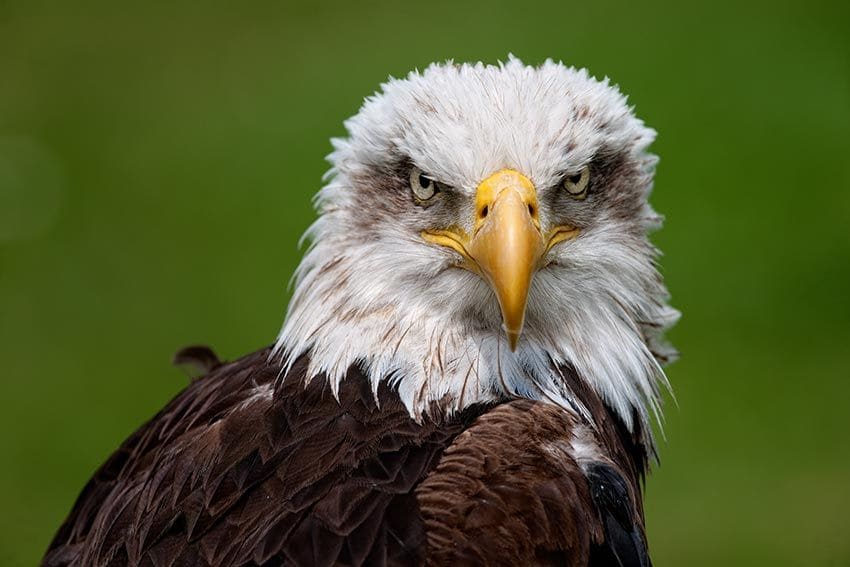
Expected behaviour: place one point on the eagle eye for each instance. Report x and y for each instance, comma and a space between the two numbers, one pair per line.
423, 187
576, 183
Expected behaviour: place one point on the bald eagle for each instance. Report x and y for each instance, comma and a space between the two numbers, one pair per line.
469, 366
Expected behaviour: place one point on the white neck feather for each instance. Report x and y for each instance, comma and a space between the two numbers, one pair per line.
351, 306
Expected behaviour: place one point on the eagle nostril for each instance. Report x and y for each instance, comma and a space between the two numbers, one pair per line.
531, 210
484, 212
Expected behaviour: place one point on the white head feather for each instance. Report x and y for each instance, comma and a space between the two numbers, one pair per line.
371, 291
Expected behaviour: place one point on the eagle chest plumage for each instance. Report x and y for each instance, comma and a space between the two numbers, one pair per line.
247, 468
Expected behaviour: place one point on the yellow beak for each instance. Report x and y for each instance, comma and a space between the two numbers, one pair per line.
507, 245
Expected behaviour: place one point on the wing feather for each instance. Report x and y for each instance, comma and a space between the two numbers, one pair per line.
512, 490
244, 468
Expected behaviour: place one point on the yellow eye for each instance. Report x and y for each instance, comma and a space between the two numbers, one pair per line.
423, 187
576, 183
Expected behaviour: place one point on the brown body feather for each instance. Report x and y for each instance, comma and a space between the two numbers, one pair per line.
243, 468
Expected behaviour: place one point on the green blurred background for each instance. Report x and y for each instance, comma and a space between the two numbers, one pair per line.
157, 161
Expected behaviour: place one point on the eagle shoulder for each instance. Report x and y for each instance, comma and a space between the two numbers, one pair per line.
519, 488
245, 468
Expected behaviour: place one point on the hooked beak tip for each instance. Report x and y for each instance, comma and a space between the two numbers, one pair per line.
513, 339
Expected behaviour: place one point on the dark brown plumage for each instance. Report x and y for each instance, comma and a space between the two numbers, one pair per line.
246, 468
197, 359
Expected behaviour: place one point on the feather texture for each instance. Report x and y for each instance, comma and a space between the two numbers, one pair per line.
247, 468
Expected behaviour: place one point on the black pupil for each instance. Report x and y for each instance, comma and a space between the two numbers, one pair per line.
574, 179
424, 182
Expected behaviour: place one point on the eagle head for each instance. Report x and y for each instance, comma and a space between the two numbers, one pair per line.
482, 231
